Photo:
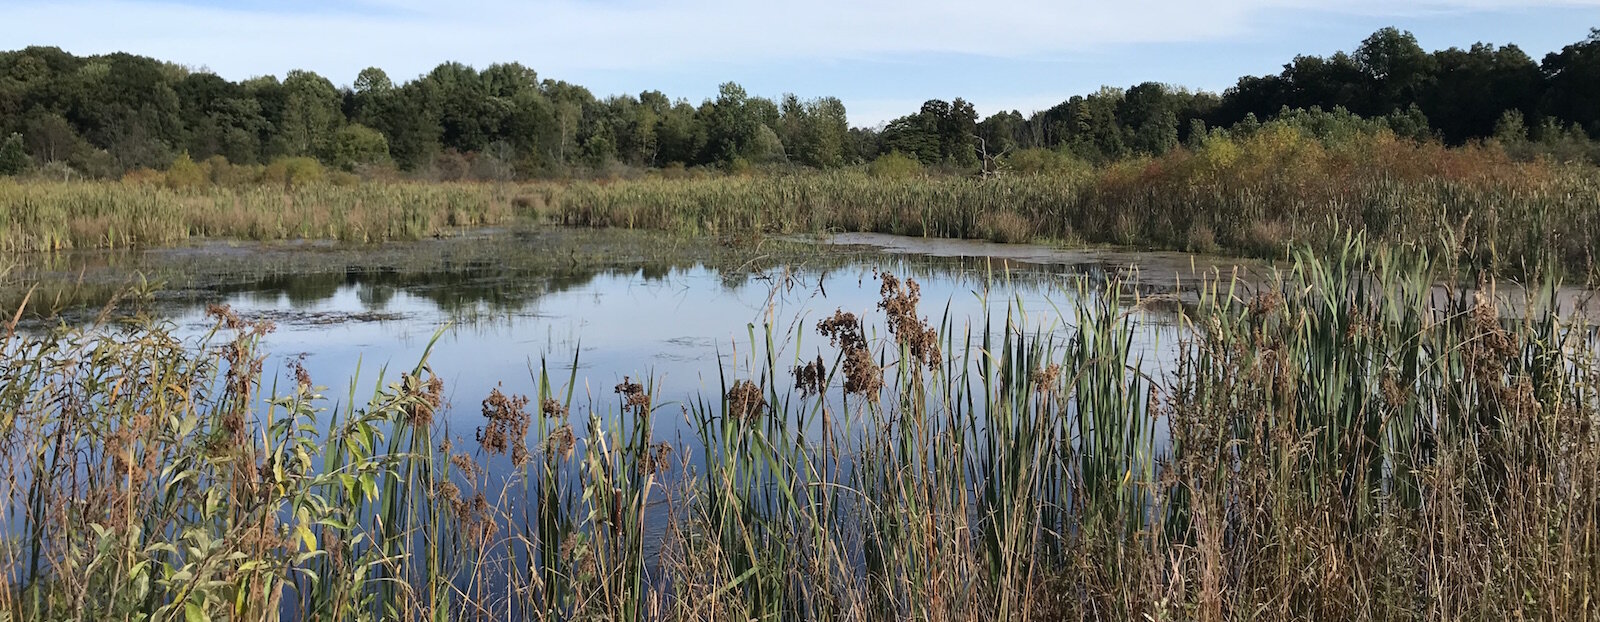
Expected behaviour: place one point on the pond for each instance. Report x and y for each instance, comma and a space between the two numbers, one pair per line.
495, 310
627, 305
499, 306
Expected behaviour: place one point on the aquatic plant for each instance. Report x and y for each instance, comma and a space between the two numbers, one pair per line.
1348, 442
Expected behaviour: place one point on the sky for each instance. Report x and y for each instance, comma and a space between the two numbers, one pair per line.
883, 58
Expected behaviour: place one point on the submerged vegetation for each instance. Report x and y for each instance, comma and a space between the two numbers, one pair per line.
1346, 443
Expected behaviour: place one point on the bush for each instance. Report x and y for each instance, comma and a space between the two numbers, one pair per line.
221, 172
357, 145
143, 176
184, 173
297, 171
1048, 162
895, 165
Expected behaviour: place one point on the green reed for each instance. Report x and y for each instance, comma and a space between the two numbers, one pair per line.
50, 216
1508, 218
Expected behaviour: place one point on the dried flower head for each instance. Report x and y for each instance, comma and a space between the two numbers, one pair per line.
560, 442
1045, 378
507, 422
811, 378
899, 303
421, 399
633, 395
655, 460
862, 375
297, 366
463, 463
552, 409
745, 401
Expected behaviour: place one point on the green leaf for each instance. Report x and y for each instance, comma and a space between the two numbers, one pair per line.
193, 612
370, 485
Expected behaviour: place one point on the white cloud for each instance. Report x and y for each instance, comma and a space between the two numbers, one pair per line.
568, 37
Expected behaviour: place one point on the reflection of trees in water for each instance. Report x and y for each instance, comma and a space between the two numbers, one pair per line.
510, 275
375, 297
470, 287
302, 290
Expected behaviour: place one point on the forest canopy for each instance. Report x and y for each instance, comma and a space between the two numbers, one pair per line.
102, 116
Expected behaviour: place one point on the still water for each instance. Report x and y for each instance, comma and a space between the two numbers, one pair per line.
499, 307
684, 328
683, 316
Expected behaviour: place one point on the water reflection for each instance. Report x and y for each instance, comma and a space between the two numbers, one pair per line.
508, 305
626, 304
681, 324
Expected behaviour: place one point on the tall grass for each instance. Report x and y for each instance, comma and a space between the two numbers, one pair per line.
1347, 443
49, 216
1259, 195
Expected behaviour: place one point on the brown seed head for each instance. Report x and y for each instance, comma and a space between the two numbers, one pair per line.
745, 401
507, 422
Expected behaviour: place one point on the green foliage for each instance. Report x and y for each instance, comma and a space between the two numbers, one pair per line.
311, 113
357, 145
184, 173
1047, 162
1474, 88
51, 138
1410, 123
942, 133
106, 115
1398, 69
297, 171
814, 132
1572, 78
372, 81
1148, 113
895, 165
734, 127
13, 157
766, 147
1510, 128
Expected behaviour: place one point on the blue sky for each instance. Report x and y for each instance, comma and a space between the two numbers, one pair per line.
882, 57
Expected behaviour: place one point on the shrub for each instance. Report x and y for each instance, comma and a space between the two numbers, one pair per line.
895, 165
143, 176
184, 173
1048, 162
297, 171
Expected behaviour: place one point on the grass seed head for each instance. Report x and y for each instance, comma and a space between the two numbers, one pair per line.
745, 401
507, 423
811, 378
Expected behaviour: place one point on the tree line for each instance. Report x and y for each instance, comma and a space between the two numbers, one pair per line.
101, 116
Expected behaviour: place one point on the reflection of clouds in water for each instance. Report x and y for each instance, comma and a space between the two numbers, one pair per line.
679, 322
684, 328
